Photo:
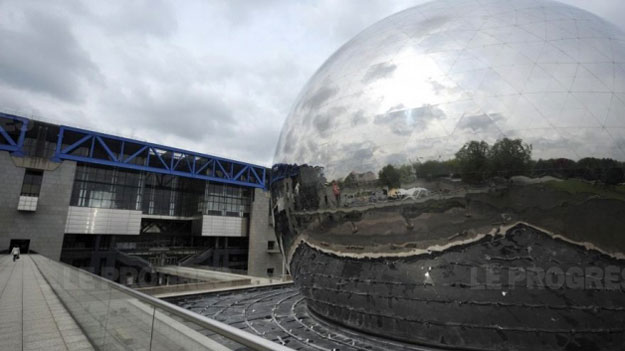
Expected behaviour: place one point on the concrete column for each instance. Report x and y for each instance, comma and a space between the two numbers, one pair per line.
259, 259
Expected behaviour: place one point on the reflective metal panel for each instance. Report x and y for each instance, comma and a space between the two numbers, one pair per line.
447, 168
421, 83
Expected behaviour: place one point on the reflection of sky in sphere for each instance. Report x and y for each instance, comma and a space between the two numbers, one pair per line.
421, 83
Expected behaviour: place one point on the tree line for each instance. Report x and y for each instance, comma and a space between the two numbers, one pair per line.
477, 161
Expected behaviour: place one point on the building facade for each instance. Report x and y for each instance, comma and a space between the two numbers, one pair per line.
107, 203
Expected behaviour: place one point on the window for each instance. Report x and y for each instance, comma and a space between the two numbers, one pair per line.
227, 200
32, 183
156, 194
107, 188
270, 272
271, 245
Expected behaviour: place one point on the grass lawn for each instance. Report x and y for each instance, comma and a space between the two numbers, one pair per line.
575, 186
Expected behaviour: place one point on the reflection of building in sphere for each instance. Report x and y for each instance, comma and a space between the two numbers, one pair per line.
478, 147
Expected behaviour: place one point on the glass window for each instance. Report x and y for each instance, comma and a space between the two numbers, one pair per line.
32, 182
106, 188
158, 194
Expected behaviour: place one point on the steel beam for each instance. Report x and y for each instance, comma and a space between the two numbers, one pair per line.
169, 158
7, 142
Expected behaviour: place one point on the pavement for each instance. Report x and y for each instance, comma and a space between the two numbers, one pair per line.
31, 315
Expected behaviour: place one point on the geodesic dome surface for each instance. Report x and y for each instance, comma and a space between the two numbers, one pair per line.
421, 83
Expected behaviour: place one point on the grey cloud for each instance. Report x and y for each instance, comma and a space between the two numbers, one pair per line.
611, 10
404, 121
185, 114
396, 159
312, 146
240, 12
427, 25
246, 144
324, 122
396, 121
422, 115
321, 95
346, 18
553, 143
140, 17
378, 71
45, 58
541, 142
361, 159
480, 122
438, 87
245, 71
206, 103
361, 154
358, 118
618, 148
289, 143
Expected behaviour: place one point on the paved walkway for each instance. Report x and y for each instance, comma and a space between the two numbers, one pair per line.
31, 316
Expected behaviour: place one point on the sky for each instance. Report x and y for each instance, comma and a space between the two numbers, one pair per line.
212, 76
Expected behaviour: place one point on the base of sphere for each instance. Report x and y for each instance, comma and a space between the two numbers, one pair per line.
523, 290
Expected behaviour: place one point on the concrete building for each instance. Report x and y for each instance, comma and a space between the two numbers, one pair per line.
107, 203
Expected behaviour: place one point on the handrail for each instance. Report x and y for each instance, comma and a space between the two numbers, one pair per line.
242, 337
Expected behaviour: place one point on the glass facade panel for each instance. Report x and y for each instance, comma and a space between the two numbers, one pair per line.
156, 194
32, 183
227, 200
107, 188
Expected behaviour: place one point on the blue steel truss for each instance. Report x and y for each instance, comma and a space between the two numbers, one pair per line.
12, 133
93, 147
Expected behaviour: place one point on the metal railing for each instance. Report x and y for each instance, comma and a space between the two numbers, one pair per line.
115, 317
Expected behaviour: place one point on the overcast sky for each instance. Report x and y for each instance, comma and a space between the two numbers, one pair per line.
213, 76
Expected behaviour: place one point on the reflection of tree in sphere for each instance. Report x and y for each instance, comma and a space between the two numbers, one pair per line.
478, 147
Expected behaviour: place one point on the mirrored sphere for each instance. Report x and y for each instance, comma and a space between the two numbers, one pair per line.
454, 176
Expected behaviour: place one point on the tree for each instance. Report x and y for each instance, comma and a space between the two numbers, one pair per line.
389, 176
614, 175
429, 169
611, 171
607, 170
435, 169
556, 167
473, 161
510, 157
350, 181
311, 190
589, 168
406, 174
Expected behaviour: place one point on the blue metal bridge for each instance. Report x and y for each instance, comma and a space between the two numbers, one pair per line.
12, 133
93, 147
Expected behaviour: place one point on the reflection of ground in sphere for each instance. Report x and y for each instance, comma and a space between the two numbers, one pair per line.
279, 314
452, 144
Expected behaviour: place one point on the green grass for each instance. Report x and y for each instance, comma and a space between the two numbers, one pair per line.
576, 186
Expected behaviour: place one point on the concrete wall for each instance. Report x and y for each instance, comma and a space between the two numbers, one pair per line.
45, 227
261, 232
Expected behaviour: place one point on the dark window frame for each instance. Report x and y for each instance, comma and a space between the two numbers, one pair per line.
31, 184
